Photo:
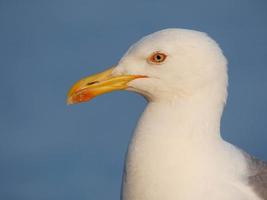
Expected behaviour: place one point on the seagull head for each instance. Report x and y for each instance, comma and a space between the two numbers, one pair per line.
168, 64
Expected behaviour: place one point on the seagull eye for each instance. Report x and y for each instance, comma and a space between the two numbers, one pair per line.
157, 58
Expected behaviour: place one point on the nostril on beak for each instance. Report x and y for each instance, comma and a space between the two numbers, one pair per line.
93, 82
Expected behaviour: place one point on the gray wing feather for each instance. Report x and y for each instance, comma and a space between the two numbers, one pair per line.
258, 176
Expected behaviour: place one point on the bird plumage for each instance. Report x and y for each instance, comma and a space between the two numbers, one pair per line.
258, 175
177, 152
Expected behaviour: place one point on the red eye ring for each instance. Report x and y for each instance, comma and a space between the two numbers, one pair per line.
157, 58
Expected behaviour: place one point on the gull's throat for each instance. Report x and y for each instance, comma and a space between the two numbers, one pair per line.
177, 149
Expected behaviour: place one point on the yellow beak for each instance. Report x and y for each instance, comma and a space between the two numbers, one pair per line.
95, 85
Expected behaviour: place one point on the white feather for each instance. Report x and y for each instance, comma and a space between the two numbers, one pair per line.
176, 152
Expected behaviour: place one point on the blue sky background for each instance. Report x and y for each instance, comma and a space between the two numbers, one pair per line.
49, 150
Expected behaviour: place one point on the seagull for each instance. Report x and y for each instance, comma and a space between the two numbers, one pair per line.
176, 151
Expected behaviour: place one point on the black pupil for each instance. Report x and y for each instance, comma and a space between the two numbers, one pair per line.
158, 57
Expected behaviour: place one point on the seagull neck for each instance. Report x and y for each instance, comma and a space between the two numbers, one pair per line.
187, 117
177, 149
